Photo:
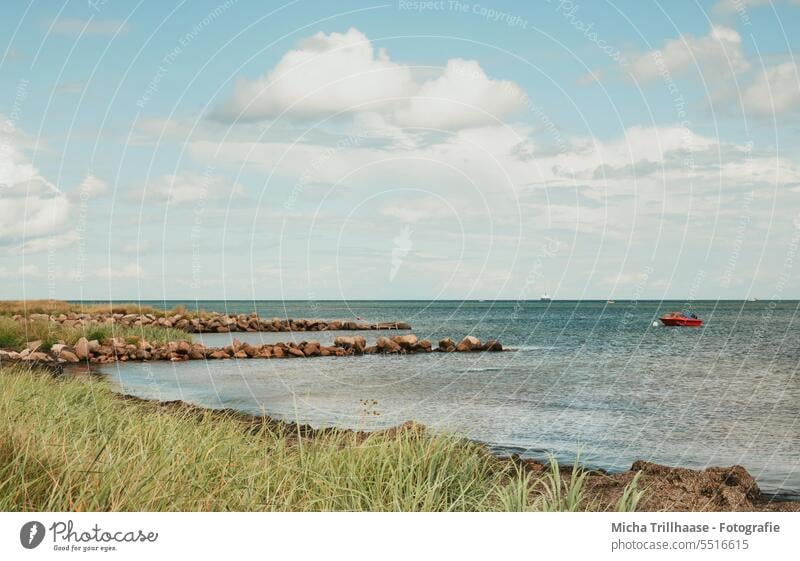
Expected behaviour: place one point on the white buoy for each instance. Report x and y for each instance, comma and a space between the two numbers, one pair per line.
655, 324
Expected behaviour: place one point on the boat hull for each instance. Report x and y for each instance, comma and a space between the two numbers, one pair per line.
681, 322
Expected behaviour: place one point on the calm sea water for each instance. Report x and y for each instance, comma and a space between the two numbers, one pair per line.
590, 378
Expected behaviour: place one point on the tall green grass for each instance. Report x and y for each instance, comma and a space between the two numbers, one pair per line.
16, 334
71, 444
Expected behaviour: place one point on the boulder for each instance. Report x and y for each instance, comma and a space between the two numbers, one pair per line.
386, 345
311, 348
423, 346
447, 345
82, 348
68, 355
294, 351
469, 343
406, 342
33, 346
492, 345
251, 351
356, 344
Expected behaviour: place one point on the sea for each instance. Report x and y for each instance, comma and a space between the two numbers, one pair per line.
604, 383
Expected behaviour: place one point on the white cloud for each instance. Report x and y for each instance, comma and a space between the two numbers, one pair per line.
20, 272
90, 188
776, 90
30, 206
187, 187
415, 210
50, 243
717, 54
74, 27
463, 96
345, 73
325, 74
728, 7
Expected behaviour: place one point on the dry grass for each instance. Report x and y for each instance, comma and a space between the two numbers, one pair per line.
27, 307
14, 335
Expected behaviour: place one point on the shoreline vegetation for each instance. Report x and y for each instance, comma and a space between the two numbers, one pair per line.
70, 443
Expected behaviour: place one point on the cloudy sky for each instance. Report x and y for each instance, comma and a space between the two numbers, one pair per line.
312, 150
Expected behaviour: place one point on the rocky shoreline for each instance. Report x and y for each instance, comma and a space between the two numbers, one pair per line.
213, 322
667, 488
120, 349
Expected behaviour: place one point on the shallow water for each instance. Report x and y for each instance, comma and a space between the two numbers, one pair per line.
590, 378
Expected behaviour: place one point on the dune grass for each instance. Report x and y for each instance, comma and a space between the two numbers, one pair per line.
16, 334
27, 307
70, 444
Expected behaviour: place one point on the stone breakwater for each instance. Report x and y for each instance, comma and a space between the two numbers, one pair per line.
119, 349
214, 322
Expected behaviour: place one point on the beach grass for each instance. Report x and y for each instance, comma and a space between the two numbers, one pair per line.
16, 334
71, 444
55, 307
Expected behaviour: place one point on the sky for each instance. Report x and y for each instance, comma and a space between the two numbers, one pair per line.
400, 150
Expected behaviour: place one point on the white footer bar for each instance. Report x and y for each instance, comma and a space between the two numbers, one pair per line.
396, 535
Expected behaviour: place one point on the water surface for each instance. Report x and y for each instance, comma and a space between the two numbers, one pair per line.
586, 377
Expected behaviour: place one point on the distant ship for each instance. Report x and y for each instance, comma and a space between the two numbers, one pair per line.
753, 299
611, 302
545, 297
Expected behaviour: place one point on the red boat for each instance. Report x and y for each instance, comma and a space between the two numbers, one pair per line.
681, 320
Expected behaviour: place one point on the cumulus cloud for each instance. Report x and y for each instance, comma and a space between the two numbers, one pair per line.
463, 96
30, 206
776, 90
344, 73
719, 53
325, 74
187, 187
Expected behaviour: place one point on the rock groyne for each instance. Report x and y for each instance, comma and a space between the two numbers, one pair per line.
119, 349
214, 322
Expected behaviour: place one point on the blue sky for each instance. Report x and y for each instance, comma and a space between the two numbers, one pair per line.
312, 150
